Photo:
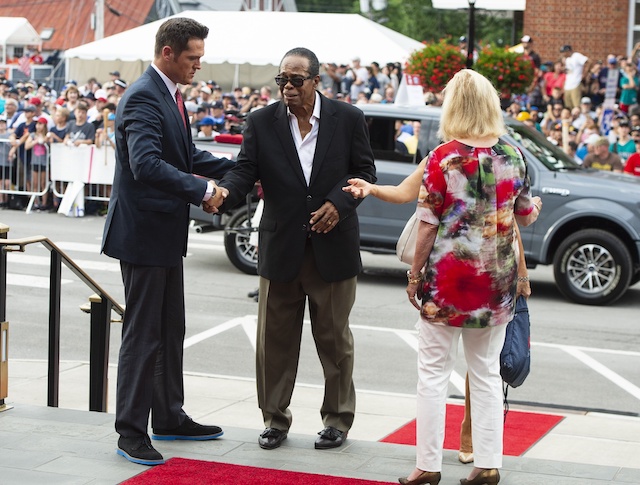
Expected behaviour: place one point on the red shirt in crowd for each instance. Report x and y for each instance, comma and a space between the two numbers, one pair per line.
633, 165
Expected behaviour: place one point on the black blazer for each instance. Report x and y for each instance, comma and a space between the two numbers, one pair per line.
148, 218
268, 154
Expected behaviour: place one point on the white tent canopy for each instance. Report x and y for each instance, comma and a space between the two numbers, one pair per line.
508, 5
16, 31
245, 48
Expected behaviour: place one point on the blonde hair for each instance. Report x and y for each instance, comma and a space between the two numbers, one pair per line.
471, 108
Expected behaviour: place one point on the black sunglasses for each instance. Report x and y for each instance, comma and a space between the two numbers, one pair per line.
296, 82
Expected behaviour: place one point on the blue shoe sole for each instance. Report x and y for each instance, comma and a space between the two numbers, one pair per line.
173, 437
138, 461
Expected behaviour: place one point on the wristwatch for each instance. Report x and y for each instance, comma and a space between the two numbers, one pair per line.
213, 192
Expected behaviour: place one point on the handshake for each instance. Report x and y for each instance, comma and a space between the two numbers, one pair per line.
211, 205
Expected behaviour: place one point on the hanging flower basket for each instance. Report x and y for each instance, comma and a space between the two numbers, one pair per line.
435, 64
510, 72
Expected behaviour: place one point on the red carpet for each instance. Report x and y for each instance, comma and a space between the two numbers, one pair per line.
177, 471
521, 430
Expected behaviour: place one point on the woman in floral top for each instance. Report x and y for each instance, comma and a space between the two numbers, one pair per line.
475, 186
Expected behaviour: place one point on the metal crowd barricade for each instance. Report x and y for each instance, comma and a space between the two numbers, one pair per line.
21, 177
81, 173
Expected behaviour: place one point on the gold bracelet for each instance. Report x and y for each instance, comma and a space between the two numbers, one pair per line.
537, 207
413, 279
523, 279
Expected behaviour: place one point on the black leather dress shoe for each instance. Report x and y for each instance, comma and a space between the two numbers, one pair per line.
188, 430
330, 437
271, 438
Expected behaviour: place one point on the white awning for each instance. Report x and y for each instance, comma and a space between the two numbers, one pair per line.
16, 31
509, 5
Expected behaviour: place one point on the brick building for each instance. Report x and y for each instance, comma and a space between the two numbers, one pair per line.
593, 27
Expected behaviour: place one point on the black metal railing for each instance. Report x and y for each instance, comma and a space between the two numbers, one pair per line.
101, 305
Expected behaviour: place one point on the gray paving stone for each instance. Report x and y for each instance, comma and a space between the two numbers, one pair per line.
554, 469
66, 446
211, 448
628, 475
27, 460
50, 427
14, 476
116, 469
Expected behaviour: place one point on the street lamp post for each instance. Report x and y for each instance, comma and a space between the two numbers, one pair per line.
471, 36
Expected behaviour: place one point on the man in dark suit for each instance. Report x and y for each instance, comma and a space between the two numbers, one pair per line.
303, 150
146, 229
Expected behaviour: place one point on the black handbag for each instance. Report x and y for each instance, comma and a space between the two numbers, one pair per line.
515, 358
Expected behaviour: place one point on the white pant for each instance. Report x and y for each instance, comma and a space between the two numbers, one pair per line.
437, 352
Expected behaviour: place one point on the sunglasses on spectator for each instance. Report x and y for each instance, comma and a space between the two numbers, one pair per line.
296, 82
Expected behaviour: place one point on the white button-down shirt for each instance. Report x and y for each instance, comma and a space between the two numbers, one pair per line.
306, 147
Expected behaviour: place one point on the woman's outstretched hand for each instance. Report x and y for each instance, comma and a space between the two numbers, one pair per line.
358, 188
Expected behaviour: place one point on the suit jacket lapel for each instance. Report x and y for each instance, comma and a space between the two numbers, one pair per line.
170, 101
283, 131
328, 123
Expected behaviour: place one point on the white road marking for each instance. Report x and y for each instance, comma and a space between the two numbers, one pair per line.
223, 327
31, 281
629, 353
22, 258
607, 373
213, 247
250, 327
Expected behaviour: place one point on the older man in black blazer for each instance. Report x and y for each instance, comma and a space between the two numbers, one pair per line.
146, 229
303, 150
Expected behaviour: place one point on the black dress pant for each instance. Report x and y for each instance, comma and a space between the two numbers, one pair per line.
150, 361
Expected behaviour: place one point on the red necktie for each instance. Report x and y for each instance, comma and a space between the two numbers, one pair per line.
180, 102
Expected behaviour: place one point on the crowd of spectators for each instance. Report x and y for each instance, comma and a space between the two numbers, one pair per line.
34, 116
568, 102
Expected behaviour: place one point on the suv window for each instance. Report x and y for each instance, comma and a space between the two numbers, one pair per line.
398, 140
549, 154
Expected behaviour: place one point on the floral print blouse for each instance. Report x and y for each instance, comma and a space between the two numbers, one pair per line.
471, 194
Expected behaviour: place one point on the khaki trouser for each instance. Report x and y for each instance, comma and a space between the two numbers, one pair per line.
280, 316
572, 97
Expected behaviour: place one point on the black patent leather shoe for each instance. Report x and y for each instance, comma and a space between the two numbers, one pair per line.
271, 438
188, 430
330, 437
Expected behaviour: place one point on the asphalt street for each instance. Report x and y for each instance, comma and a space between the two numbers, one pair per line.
583, 357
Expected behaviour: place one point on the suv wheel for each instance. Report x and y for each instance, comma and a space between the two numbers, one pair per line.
592, 267
242, 254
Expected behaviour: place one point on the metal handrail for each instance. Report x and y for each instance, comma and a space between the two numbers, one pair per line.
101, 305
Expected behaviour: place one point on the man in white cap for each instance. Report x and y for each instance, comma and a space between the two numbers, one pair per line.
585, 111
527, 42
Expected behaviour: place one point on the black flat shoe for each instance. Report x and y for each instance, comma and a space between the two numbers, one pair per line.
271, 438
432, 478
330, 437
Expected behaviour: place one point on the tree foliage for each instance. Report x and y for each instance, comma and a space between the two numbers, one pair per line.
419, 20
329, 6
